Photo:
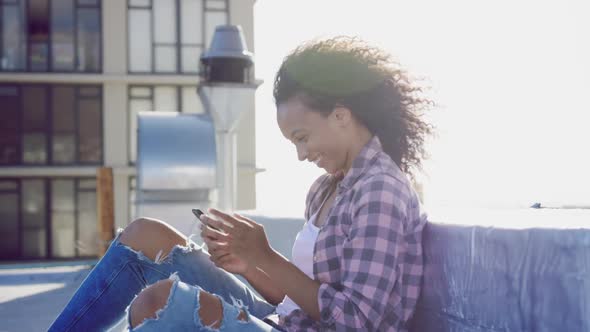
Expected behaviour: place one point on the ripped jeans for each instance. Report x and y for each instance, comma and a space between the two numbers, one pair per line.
103, 298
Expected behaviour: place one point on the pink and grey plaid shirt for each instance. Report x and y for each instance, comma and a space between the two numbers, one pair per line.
368, 254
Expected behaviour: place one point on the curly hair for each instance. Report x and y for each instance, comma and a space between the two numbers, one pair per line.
345, 71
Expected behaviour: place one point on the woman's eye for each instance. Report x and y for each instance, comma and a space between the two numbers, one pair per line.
302, 139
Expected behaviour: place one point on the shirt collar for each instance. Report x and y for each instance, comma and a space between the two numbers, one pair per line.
361, 163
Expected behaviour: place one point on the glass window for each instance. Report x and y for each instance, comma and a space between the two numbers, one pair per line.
87, 224
10, 125
38, 30
141, 92
34, 148
63, 125
165, 17
89, 130
9, 246
140, 40
191, 29
62, 35
84, 184
136, 106
50, 124
165, 59
166, 99
56, 35
88, 2
34, 125
33, 210
139, 3
28, 206
63, 218
88, 40
13, 37
215, 4
190, 101
191, 56
34, 105
88, 91
165, 49
178, 35
8, 185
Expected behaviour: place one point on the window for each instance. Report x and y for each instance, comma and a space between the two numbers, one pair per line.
168, 36
159, 98
48, 218
9, 211
50, 36
50, 125
10, 125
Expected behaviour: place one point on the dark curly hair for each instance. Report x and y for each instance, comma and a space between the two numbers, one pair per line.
345, 71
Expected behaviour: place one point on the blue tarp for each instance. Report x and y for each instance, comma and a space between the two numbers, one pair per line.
490, 279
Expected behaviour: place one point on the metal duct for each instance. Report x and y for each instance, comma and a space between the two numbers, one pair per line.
176, 166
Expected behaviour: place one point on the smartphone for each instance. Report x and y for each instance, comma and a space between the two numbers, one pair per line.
198, 213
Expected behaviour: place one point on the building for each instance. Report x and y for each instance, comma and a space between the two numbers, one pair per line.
73, 75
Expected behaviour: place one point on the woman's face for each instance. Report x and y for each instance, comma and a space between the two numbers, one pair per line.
318, 138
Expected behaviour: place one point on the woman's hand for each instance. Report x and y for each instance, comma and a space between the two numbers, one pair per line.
227, 261
219, 254
240, 241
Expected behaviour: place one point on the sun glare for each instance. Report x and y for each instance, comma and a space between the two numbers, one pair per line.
510, 80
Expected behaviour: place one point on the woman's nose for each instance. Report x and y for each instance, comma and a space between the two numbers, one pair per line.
301, 153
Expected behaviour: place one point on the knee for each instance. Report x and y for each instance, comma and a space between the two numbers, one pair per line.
149, 301
151, 236
211, 310
155, 297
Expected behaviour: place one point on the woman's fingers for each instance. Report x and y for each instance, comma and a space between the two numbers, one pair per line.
231, 220
244, 219
216, 225
217, 248
216, 245
216, 256
225, 259
209, 232
222, 215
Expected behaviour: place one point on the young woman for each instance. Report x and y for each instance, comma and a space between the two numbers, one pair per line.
357, 262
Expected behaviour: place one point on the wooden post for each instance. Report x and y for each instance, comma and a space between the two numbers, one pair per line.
105, 208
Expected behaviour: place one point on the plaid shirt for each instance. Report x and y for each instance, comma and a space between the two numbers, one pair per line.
368, 254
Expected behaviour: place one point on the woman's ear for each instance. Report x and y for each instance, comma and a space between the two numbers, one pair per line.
342, 115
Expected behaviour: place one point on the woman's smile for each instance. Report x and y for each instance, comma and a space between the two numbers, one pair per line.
317, 160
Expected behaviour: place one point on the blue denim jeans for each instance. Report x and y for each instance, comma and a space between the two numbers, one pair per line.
103, 298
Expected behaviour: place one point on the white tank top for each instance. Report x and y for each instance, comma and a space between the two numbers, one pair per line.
302, 257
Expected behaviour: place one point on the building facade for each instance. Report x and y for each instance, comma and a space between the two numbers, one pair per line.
73, 75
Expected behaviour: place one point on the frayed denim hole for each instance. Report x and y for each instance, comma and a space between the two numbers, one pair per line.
128, 311
118, 233
228, 311
140, 255
178, 250
161, 257
160, 313
197, 317
238, 303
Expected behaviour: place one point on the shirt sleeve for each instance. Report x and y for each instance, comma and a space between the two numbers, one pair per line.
370, 260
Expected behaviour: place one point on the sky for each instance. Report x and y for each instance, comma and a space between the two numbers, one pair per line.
511, 80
